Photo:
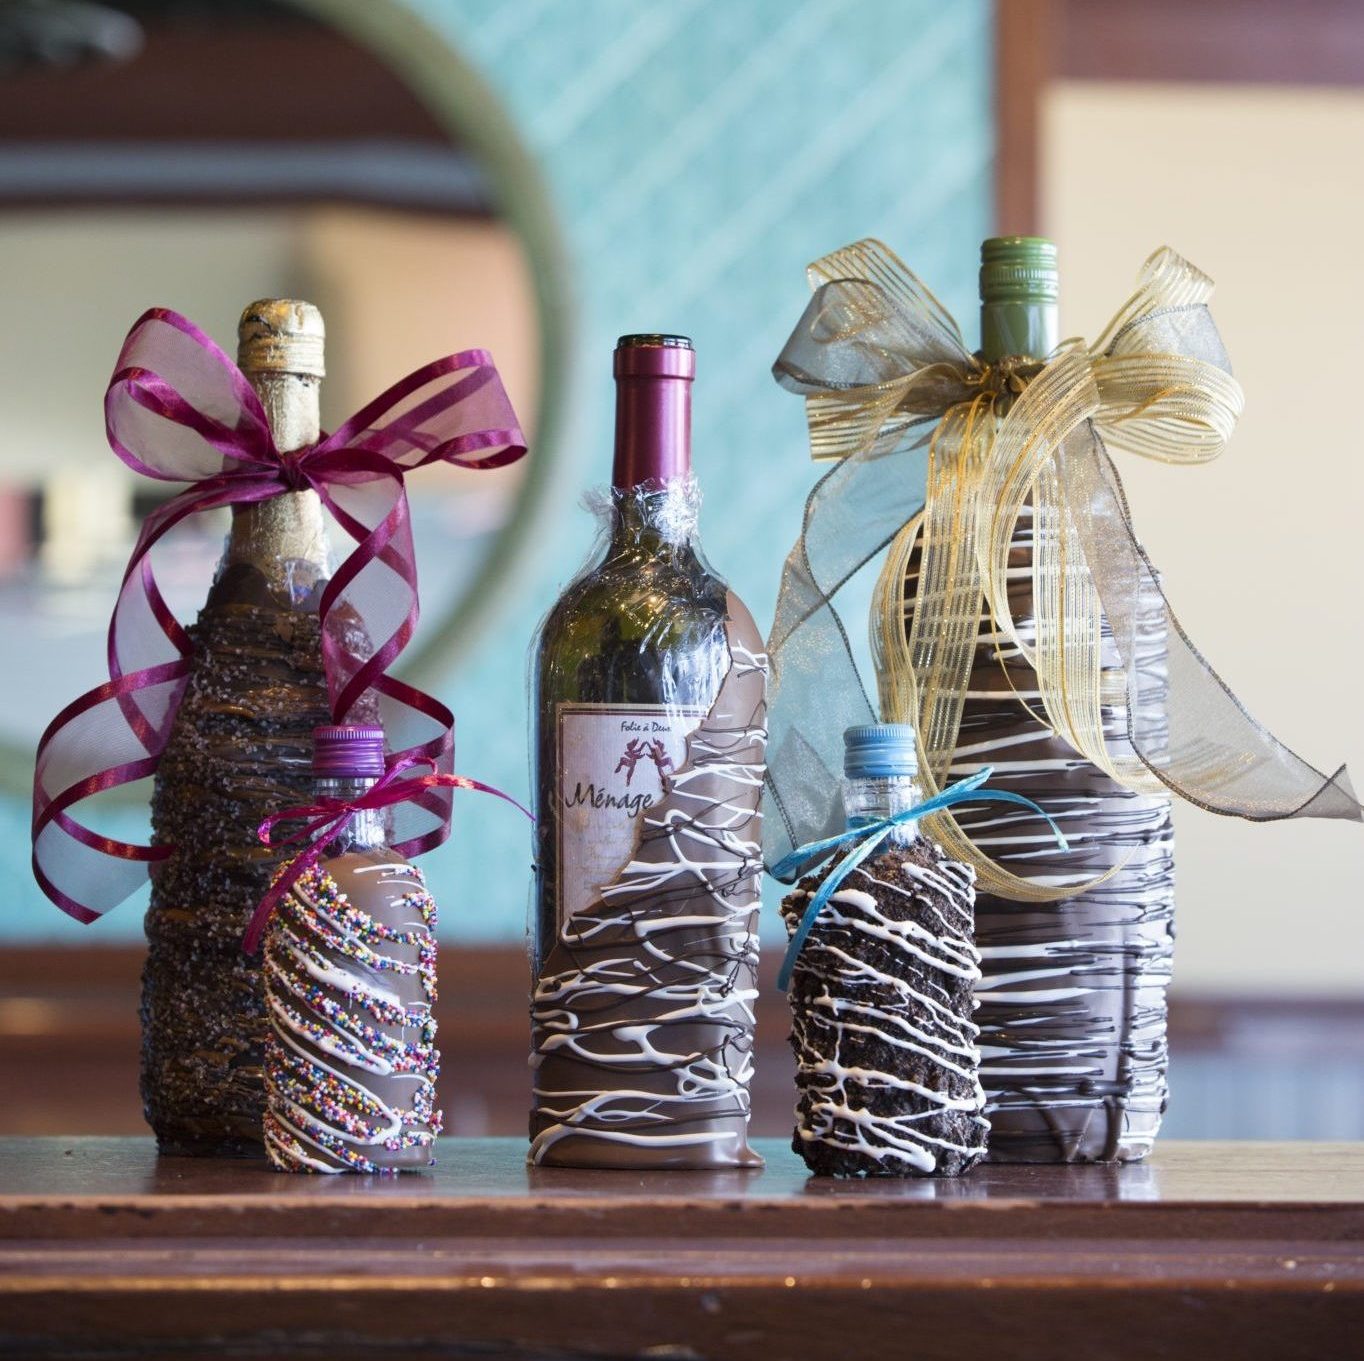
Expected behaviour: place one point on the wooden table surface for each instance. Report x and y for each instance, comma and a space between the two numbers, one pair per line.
1208, 1251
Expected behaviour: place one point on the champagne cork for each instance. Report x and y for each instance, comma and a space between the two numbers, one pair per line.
281, 335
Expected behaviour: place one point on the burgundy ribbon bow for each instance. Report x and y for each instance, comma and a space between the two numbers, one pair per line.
326, 819
178, 409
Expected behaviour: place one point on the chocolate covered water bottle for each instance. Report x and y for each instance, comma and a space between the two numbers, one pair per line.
350, 982
887, 1080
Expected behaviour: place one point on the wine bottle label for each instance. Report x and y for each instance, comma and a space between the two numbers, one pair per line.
615, 761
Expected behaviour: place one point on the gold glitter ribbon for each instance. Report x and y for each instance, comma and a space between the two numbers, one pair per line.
885, 373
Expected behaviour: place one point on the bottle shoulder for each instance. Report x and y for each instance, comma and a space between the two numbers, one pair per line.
637, 629
352, 856
640, 590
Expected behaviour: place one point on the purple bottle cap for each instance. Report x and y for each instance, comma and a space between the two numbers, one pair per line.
348, 752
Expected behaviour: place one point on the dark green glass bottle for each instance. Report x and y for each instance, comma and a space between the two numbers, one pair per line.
649, 684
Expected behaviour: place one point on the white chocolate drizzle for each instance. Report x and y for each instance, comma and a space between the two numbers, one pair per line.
1072, 1005
351, 1063
643, 1010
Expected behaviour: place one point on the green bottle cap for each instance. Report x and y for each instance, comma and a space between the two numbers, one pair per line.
1018, 269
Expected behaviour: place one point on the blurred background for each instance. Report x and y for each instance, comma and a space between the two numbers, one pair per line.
538, 176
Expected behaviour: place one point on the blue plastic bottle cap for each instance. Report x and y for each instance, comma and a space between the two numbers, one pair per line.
879, 751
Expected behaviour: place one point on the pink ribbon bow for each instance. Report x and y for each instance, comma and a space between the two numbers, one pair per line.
178, 409
326, 819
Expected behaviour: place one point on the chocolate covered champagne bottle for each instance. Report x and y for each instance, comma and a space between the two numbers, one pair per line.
1072, 999
239, 750
650, 685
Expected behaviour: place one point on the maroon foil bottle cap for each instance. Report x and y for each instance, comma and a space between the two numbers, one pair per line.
654, 375
654, 356
348, 752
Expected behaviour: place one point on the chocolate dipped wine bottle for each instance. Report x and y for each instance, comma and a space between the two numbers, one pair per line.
1072, 1005
240, 749
650, 709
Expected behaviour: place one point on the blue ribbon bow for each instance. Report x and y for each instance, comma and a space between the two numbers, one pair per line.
791, 866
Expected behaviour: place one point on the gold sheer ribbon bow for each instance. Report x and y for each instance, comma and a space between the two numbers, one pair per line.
940, 452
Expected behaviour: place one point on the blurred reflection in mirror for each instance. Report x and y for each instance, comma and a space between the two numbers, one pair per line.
198, 155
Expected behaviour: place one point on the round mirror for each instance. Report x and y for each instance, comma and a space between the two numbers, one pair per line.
198, 154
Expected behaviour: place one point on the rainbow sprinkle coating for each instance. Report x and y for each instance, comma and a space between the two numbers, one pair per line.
351, 1064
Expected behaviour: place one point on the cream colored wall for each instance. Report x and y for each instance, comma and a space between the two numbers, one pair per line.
1261, 550
397, 289
74, 282
430, 285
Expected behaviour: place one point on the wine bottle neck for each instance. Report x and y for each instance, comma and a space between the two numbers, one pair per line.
650, 517
291, 525
653, 410
369, 827
292, 407
653, 430
1018, 328
280, 547
284, 538
280, 349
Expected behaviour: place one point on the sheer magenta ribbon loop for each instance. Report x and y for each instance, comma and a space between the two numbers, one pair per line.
870, 836
326, 819
178, 409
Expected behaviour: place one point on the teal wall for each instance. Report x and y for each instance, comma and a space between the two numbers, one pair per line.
697, 153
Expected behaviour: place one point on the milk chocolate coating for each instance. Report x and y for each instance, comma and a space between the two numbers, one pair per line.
350, 1062
1072, 1002
887, 1076
642, 1015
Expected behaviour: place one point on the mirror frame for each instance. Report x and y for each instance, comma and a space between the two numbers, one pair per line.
461, 100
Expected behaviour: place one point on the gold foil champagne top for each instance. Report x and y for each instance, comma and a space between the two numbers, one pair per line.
281, 335
280, 348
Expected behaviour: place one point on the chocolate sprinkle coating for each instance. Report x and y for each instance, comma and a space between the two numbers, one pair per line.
350, 982
240, 749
